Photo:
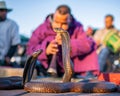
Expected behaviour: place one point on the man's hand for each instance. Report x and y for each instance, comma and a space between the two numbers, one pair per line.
7, 60
52, 48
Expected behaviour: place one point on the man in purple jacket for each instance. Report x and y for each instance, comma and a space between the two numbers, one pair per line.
83, 52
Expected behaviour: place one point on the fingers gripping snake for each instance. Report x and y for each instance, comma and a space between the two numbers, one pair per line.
66, 85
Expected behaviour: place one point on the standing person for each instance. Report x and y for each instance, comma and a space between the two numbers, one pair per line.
99, 37
82, 48
9, 36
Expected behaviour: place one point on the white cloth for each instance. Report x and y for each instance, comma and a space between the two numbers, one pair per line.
100, 36
9, 35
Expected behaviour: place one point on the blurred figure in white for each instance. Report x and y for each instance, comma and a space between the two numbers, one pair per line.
9, 36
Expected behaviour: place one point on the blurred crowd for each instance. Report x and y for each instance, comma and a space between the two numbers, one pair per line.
93, 50
107, 40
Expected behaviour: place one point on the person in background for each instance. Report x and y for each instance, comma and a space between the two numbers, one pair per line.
90, 31
9, 36
83, 52
99, 37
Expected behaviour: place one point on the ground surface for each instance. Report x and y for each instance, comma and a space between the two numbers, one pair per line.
24, 93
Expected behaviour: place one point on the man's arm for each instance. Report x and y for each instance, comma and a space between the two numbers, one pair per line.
11, 51
80, 43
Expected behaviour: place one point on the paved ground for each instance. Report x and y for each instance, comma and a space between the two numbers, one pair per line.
23, 93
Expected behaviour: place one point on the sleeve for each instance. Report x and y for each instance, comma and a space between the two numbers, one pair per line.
36, 42
80, 43
15, 36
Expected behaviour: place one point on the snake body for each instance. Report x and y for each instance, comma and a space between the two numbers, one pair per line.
66, 85
66, 55
13, 82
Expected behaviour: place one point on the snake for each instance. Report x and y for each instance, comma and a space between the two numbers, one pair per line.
66, 84
10, 83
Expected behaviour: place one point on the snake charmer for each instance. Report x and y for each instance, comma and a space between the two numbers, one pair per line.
82, 48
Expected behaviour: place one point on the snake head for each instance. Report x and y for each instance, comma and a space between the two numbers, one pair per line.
37, 53
59, 30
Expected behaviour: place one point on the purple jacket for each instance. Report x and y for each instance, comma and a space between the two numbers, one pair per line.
83, 52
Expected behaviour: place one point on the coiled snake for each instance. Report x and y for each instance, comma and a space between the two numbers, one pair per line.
66, 85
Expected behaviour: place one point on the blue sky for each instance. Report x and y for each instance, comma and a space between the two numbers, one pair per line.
31, 13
